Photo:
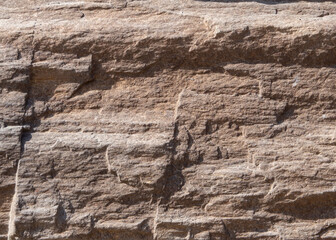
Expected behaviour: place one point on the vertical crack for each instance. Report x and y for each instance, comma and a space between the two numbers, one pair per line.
156, 219
109, 165
14, 204
107, 160
25, 136
173, 177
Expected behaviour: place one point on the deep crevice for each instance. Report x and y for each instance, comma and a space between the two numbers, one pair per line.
287, 113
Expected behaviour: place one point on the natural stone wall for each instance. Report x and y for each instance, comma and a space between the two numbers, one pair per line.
167, 120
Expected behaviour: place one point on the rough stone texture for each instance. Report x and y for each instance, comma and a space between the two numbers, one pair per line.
162, 119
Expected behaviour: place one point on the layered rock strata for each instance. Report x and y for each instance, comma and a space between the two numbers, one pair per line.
167, 120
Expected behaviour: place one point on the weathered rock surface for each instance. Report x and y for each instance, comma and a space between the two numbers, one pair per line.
167, 120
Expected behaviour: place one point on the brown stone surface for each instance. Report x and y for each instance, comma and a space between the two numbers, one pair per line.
162, 119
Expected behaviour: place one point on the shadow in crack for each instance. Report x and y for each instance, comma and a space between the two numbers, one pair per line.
25, 137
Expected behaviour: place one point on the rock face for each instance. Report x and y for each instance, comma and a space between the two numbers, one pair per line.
162, 119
